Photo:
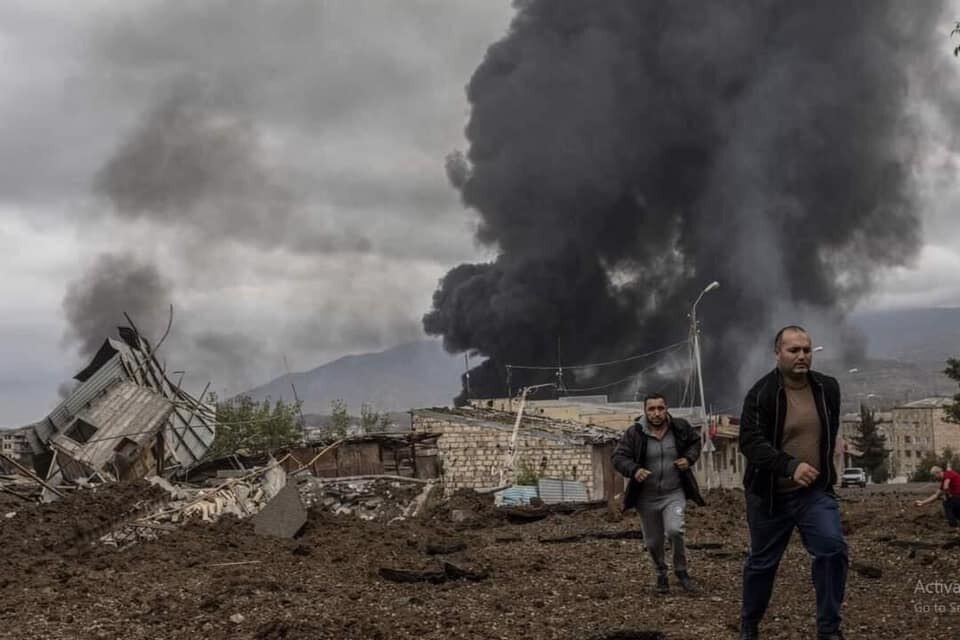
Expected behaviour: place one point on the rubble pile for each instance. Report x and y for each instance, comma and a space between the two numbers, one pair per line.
378, 499
239, 497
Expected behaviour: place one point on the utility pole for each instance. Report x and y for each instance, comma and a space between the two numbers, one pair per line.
508, 471
696, 353
696, 344
303, 422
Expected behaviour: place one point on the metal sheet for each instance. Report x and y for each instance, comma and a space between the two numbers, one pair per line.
557, 491
125, 411
517, 494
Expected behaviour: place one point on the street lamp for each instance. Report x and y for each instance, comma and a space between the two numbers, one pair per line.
696, 345
818, 348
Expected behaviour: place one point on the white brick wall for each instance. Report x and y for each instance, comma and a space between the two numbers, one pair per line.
472, 455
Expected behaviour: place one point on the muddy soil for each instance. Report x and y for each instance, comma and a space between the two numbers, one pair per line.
574, 576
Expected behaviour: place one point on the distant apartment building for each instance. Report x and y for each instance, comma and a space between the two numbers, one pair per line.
918, 428
14, 443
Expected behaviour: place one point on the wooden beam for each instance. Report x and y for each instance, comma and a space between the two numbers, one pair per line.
31, 475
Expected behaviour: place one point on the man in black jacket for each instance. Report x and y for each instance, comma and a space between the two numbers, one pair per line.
657, 454
788, 431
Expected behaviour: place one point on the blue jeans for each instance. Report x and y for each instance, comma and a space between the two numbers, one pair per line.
816, 515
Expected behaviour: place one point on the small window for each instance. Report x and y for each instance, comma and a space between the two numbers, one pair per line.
908, 454
126, 448
80, 431
906, 439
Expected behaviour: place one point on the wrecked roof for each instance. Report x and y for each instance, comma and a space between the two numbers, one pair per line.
124, 413
125, 391
532, 425
928, 403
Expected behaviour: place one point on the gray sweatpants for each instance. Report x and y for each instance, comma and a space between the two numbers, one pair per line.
661, 517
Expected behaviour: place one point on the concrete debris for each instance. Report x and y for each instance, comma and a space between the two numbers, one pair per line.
240, 497
283, 517
276, 502
380, 499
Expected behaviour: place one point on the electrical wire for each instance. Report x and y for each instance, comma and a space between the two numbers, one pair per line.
601, 364
622, 380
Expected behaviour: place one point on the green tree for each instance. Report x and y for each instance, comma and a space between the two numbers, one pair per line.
369, 418
339, 419
953, 372
947, 458
873, 445
244, 425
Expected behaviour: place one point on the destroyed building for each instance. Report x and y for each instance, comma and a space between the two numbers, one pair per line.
472, 444
123, 420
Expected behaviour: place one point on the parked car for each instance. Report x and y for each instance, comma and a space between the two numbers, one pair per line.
853, 475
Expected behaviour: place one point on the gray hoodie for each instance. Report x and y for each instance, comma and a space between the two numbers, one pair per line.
661, 454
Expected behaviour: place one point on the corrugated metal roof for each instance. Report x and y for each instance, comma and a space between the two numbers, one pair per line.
109, 374
125, 411
584, 399
532, 426
929, 403
558, 491
187, 434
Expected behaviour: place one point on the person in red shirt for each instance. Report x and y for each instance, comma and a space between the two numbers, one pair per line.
949, 490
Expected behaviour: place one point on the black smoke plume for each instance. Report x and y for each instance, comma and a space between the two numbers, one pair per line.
624, 154
95, 302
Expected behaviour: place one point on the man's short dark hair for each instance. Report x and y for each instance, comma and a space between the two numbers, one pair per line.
779, 337
653, 396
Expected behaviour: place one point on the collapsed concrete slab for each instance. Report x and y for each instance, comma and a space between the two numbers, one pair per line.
283, 517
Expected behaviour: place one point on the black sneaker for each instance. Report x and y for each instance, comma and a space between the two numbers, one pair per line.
749, 632
662, 585
686, 582
836, 635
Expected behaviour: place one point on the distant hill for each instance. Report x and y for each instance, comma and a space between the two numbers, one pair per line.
906, 350
906, 354
911, 335
887, 383
416, 374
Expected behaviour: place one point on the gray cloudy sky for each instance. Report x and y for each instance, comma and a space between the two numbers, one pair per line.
273, 169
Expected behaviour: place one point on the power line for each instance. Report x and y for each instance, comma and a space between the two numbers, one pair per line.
622, 380
600, 364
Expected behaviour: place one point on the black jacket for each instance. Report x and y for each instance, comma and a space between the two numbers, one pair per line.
761, 433
631, 451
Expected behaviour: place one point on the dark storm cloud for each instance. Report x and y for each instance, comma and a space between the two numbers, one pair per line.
624, 154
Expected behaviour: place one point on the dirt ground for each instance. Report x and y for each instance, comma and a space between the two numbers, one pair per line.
571, 576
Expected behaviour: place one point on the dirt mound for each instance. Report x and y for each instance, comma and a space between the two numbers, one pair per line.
468, 509
74, 521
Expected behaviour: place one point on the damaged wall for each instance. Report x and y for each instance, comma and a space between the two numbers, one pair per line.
471, 453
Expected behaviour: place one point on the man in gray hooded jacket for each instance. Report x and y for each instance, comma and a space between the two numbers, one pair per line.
657, 454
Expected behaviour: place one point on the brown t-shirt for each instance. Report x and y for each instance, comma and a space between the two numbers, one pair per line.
801, 432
